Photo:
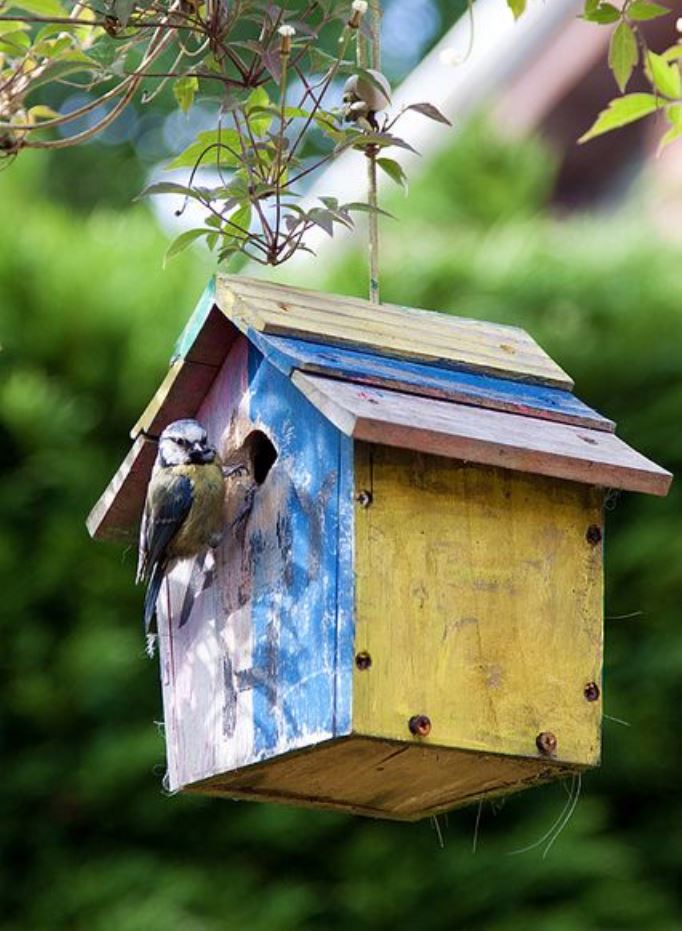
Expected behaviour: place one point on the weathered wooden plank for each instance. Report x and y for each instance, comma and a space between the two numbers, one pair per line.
381, 778
391, 330
196, 322
508, 440
117, 514
479, 601
249, 645
287, 354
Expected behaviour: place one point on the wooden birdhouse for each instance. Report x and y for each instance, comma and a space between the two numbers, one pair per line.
405, 613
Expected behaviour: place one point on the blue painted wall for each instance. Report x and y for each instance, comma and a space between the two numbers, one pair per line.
302, 577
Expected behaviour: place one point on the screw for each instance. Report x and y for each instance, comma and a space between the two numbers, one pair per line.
546, 743
364, 498
591, 691
363, 660
419, 725
593, 534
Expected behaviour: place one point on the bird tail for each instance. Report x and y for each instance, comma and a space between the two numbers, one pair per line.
150, 599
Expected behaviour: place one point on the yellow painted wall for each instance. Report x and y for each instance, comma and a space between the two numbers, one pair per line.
479, 600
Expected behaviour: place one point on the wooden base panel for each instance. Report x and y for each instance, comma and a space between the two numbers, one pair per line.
382, 779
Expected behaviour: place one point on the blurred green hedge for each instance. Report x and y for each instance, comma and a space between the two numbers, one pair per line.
89, 842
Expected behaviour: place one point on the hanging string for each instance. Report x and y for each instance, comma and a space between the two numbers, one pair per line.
369, 56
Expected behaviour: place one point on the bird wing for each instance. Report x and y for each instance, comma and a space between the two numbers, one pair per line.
169, 500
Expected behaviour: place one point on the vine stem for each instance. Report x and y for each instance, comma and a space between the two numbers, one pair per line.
369, 55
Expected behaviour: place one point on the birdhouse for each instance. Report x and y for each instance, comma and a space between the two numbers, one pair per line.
405, 613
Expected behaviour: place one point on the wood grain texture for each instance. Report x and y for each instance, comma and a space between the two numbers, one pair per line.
289, 354
249, 641
479, 600
382, 779
117, 514
390, 330
491, 437
189, 377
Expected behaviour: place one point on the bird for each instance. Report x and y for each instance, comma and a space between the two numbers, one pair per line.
184, 508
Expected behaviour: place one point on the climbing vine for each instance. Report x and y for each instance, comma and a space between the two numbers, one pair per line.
291, 91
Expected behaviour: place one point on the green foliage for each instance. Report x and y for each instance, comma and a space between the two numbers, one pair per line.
661, 71
90, 843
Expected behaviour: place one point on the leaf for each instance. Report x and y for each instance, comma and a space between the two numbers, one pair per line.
39, 7
674, 113
167, 187
517, 7
601, 13
42, 112
394, 171
122, 10
623, 54
183, 241
428, 110
620, 112
184, 90
215, 146
674, 133
323, 219
258, 102
673, 53
14, 43
643, 10
360, 207
664, 77
240, 218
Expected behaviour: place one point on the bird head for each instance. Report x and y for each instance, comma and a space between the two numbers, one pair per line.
184, 442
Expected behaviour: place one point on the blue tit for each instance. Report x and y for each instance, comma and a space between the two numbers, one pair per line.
183, 513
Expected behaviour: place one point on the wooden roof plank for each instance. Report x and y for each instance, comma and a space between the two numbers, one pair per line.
389, 330
190, 376
490, 437
117, 514
288, 353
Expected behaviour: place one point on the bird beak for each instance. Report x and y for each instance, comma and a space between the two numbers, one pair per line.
201, 453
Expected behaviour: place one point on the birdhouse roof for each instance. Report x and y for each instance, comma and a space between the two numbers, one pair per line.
433, 382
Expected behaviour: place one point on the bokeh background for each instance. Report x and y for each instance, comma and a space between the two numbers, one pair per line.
509, 222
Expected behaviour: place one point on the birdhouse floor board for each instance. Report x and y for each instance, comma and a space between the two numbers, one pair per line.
391, 330
289, 354
382, 779
512, 441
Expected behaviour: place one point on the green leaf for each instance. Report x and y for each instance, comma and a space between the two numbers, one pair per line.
394, 171
359, 207
166, 187
517, 7
39, 7
240, 218
620, 112
673, 53
14, 43
674, 113
183, 241
184, 90
428, 110
602, 13
643, 10
216, 141
664, 77
623, 54
257, 111
674, 133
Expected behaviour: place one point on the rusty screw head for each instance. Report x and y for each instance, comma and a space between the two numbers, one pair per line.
363, 660
420, 725
546, 743
591, 691
593, 534
364, 498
